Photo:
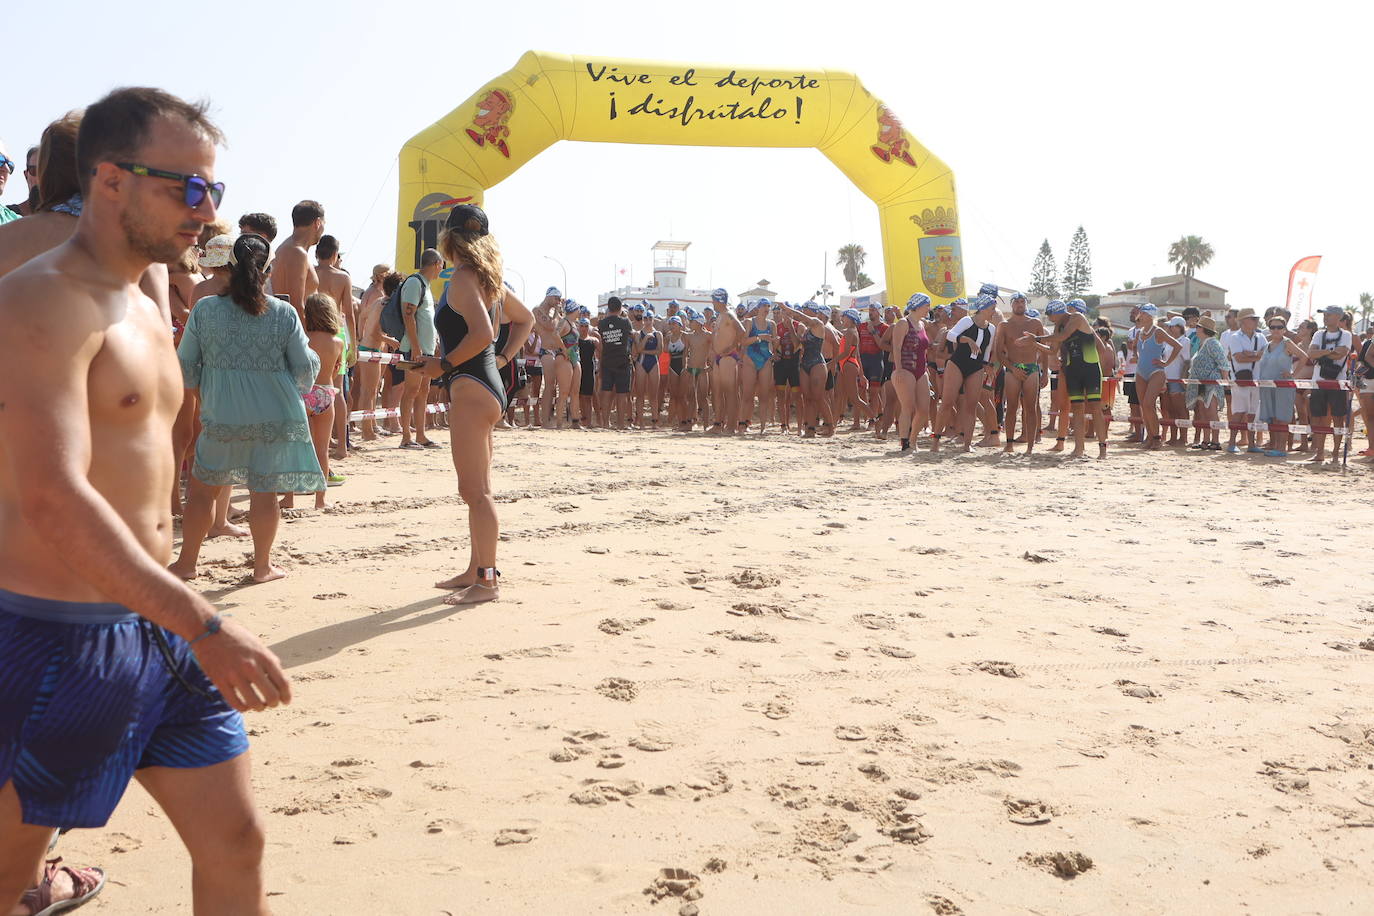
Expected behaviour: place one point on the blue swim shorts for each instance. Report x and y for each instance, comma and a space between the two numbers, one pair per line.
87, 696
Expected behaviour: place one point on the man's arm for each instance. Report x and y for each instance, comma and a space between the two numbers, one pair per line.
45, 425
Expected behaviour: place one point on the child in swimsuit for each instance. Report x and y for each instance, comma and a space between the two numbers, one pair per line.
322, 323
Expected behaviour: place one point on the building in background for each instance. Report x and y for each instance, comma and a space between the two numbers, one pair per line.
670, 281
1172, 293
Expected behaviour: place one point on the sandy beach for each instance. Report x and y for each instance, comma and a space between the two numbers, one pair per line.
814, 677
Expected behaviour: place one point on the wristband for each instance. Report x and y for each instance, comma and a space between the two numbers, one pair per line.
212, 626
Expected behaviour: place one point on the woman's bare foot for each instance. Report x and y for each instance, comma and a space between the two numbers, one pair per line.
288, 501
270, 574
319, 501
1058, 445
228, 530
474, 594
462, 580
185, 573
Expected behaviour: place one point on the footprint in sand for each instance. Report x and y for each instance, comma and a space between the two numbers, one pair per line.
611, 761
753, 579
617, 688
618, 626
850, 733
1066, 865
1027, 812
896, 652
756, 636
650, 744
511, 836
875, 621
1005, 669
1109, 631
1139, 691
943, 906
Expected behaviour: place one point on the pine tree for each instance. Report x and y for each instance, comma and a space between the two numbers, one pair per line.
1078, 268
1043, 273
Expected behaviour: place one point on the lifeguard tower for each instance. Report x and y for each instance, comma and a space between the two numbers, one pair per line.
670, 281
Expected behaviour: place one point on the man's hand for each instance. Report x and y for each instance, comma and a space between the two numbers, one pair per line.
246, 672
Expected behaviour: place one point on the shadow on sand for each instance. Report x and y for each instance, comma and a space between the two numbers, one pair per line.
328, 641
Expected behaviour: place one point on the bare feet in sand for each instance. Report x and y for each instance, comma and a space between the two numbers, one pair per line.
183, 573
228, 530
474, 594
462, 580
271, 573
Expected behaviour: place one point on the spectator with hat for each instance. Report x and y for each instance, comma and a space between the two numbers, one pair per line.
1209, 364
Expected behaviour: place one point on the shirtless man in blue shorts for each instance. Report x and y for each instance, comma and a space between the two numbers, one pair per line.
110, 666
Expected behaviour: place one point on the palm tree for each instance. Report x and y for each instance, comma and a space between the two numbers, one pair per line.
1186, 255
851, 261
1366, 307
1129, 284
862, 281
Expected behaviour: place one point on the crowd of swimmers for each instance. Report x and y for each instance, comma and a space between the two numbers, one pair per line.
937, 375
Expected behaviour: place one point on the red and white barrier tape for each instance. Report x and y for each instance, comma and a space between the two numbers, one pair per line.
387, 413
1324, 384
373, 356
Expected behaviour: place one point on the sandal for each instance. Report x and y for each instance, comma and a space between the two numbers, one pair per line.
86, 882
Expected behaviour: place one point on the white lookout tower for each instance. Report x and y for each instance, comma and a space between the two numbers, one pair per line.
670, 281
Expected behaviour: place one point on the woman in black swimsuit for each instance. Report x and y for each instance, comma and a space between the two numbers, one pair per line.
970, 344
469, 368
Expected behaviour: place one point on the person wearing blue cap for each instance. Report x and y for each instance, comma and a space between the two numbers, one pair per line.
1152, 343
726, 339
816, 409
1025, 373
756, 372
970, 342
1081, 360
910, 344
616, 339
848, 371
696, 382
675, 343
648, 346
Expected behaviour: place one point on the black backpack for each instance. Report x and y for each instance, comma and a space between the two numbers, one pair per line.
391, 320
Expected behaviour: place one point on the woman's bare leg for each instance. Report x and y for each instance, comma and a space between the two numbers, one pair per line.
263, 517
195, 525
474, 411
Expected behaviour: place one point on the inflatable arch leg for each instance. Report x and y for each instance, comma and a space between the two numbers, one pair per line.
550, 97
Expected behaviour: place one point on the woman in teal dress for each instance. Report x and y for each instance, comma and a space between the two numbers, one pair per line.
249, 356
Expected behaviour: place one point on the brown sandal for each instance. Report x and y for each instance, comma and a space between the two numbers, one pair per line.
86, 883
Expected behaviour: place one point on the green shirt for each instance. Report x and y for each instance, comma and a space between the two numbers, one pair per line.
424, 316
7, 215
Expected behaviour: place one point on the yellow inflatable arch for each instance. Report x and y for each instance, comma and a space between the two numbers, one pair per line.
550, 97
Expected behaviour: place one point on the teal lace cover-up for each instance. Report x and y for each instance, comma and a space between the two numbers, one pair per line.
251, 371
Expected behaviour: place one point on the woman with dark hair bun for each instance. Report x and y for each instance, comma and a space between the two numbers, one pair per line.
249, 357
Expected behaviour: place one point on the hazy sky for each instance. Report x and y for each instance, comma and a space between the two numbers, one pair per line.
1142, 122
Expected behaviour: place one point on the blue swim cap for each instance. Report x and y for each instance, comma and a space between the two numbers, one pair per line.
1149, 308
570, 306
1078, 305
852, 315
719, 295
916, 301
672, 302
1015, 296
762, 304
583, 322
961, 302
1032, 313
989, 289
1056, 307
984, 301
553, 291
676, 320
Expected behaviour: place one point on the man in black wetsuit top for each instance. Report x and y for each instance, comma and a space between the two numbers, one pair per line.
615, 363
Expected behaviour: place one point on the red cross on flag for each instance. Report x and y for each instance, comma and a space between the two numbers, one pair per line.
1301, 279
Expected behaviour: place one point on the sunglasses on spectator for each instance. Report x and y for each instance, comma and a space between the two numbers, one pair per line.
1278, 327
195, 188
7, 163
